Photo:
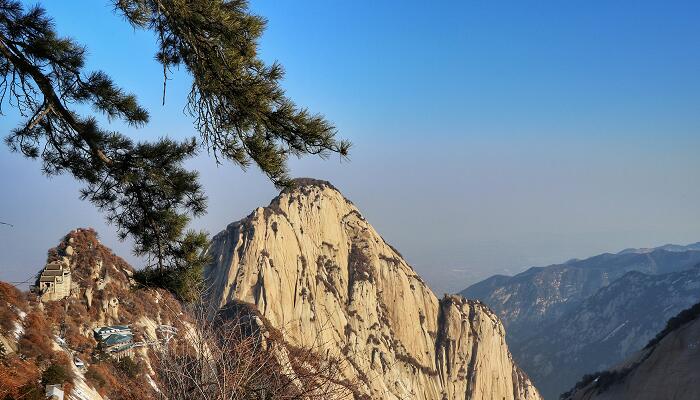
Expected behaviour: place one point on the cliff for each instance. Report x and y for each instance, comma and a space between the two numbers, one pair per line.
321, 274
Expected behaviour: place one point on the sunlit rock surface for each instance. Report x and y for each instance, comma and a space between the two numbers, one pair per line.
319, 272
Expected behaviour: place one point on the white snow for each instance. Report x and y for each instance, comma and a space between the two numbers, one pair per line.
19, 330
614, 331
152, 383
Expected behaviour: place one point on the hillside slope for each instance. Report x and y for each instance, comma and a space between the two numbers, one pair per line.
320, 273
667, 369
38, 335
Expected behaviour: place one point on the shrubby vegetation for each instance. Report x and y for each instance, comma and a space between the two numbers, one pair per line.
128, 367
95, 377
237, 355
18, 378
34, 362
56, 374
11, 300
674, 323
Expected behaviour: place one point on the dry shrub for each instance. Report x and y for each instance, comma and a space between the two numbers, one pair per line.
110, 381
17, 376
97, 378
10, 301
238, 357
36, 340
75, 324
53, 312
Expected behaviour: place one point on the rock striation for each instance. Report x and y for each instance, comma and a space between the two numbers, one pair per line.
321, 274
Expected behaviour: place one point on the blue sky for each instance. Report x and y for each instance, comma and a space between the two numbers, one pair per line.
489, 136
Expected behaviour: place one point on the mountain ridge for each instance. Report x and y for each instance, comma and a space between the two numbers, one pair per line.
315, 268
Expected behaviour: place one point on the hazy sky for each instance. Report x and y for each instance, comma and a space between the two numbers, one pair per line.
489, 136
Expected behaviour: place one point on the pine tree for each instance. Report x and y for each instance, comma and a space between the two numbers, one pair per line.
239, 110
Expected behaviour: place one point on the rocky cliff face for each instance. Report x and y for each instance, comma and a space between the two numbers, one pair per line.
666, 369
321, 274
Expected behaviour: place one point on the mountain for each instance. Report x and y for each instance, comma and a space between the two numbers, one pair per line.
543, 294
567, 319
615, 322
84, 286
667, 368
667, 247
320, 273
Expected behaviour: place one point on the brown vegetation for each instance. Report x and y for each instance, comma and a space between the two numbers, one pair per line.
237, 355
11, 300
35, 343
20, 372
17, 377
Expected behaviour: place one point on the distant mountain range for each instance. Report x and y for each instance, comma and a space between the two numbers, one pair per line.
667, 247
581, 316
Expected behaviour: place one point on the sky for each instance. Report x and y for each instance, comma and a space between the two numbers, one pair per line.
489, 136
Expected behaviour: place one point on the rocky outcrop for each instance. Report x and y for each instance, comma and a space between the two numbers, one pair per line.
37, 331
665, 369
320, 273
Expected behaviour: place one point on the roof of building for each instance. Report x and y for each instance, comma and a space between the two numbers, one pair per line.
117, 339
116, 349
109, 330
113, 327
